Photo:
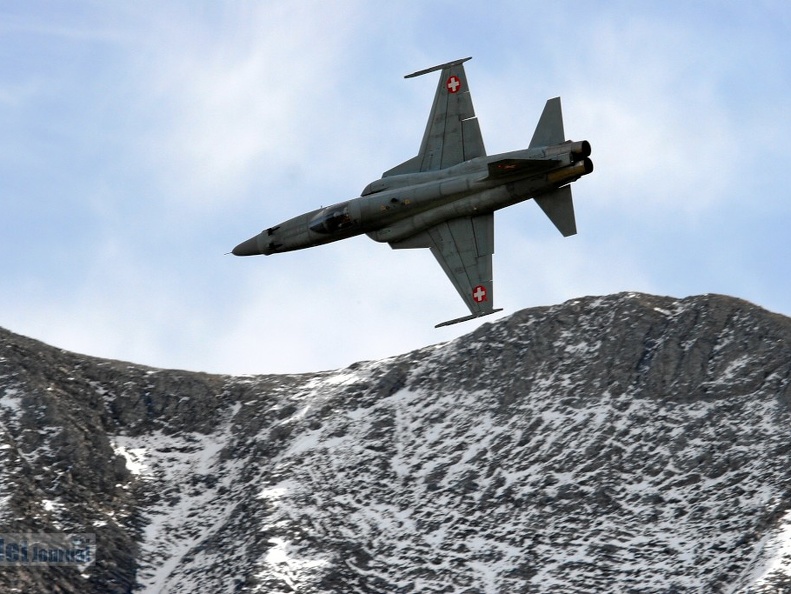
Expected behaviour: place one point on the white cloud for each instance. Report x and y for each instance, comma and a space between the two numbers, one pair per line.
645, 95
333, 306
251, 93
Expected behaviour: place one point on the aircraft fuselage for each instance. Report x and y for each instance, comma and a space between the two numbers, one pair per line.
394, 208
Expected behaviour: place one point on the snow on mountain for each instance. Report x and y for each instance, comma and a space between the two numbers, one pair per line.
627, 443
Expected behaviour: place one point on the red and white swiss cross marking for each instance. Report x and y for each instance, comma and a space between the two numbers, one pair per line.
453, 84
479, 294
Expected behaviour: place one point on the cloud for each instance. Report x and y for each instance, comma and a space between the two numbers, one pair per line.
332, 306
646, 96
232, 100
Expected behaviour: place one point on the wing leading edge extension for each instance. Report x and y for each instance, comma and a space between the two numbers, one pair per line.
452, 134
464, 248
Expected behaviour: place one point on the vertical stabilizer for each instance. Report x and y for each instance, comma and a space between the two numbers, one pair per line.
549, 130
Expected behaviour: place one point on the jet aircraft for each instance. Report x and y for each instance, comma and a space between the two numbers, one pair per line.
445, 197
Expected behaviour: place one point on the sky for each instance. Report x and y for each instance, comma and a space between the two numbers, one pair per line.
141, 141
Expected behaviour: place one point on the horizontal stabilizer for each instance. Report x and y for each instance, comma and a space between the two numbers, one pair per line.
467, 318
559, 207
549, 130
508, 167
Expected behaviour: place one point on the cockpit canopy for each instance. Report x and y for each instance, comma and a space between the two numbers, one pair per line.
332, 219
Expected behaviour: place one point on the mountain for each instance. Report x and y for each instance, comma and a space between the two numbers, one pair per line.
628, 443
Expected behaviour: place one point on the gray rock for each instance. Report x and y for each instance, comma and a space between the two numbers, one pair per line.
620, 443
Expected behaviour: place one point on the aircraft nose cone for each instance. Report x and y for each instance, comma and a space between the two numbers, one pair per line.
247, 248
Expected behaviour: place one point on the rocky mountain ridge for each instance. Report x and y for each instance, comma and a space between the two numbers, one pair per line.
628, 443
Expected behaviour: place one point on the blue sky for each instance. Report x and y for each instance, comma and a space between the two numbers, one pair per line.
140, 142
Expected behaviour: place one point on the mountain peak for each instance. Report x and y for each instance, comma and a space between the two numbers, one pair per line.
619, 443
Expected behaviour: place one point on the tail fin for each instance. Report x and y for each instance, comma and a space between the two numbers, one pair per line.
549, 130
557, 204
559, 207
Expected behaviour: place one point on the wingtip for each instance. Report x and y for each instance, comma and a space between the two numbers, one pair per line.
438, 67
467, 318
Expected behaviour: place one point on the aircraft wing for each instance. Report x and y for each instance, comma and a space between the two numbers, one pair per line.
452, 134
464, 248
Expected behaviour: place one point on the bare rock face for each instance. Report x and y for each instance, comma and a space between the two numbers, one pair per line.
627, 443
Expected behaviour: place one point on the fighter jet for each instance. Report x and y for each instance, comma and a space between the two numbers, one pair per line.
444, 198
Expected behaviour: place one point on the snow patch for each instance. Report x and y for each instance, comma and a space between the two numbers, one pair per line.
135, 458
284, 564
11, 400
777, 554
